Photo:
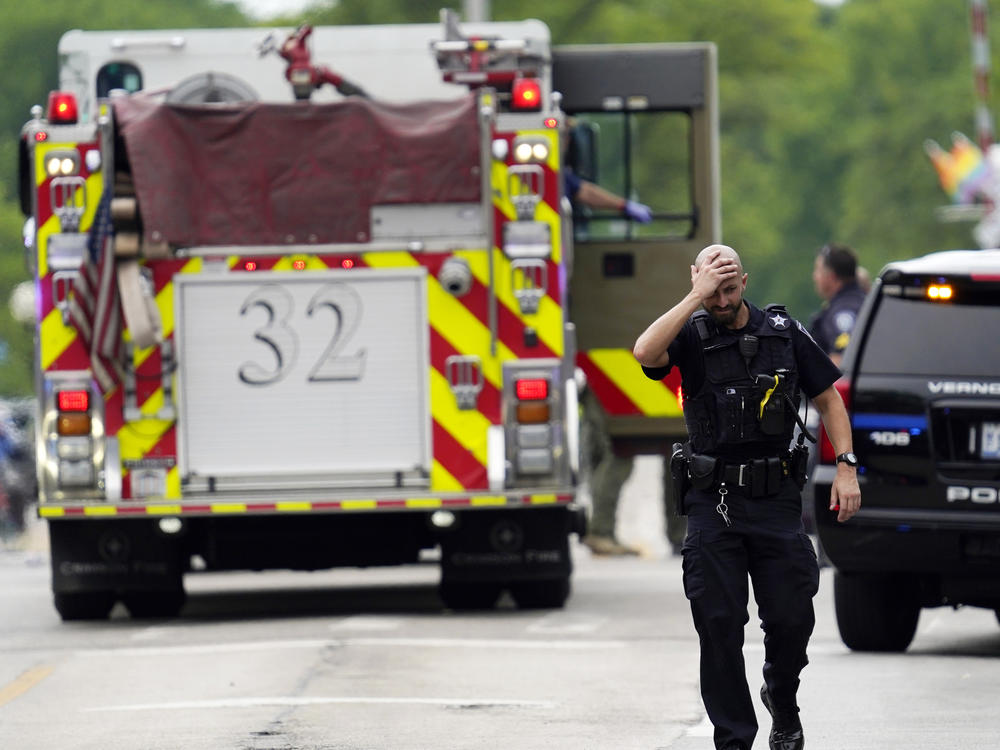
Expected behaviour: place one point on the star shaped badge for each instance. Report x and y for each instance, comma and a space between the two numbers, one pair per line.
778, 321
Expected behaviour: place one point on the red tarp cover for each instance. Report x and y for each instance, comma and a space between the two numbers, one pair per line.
276, 174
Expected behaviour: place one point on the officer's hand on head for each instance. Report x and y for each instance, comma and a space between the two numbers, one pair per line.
713, 271
638, 212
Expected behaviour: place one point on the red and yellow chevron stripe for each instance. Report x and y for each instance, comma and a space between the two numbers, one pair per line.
458, 326
622, 388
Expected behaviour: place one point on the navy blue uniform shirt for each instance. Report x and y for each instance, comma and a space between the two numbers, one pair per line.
831, 327
815, 370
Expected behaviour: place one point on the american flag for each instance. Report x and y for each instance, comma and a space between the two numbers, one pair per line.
94, 304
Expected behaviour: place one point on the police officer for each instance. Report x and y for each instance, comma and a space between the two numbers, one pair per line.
835, 278
606, 472
742, 368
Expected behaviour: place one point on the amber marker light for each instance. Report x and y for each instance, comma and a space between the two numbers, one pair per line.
941, 292
533, 412
73, 423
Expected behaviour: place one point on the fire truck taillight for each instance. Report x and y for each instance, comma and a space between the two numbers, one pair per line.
74, 423
74, 412
73, 400
526, 94
532, 389
533, 394
533, 413
62, 108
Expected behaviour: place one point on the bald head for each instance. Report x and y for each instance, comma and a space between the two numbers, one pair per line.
724, 251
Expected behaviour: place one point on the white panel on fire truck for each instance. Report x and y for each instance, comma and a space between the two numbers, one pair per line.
305, 378
391, 62
421, 220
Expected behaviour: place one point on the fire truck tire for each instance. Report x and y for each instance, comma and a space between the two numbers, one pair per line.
154, 604
469, 595
84, 605
549, 593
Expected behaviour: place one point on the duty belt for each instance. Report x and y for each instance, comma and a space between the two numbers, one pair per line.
761, 476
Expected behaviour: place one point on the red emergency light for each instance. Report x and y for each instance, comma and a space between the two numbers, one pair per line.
62, 108
526, 94
532, 389
73, 400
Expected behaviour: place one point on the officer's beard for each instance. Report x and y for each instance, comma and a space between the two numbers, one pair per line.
726, 316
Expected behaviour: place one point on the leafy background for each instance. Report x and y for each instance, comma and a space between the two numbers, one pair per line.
823, 112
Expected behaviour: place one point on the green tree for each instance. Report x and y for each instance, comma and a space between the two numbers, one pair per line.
29, 38
823, 112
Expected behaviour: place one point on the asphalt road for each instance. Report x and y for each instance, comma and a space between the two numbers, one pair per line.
369, 660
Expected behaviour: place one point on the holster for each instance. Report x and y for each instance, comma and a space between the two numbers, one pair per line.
799, 464
679, 457
703, 471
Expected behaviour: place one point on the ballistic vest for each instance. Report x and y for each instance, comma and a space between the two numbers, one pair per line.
740, 400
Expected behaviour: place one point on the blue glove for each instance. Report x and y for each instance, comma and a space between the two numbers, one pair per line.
638, 212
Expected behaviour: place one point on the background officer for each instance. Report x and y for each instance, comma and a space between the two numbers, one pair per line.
606, 473
836, 281
742, 368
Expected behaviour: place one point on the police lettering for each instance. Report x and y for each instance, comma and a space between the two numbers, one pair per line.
982, 495
964, 387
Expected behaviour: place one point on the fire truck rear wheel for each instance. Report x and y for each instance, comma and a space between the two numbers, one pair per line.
84, 605
550, 593
150, 604
466, 595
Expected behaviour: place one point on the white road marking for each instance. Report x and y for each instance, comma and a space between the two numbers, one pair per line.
206, 648
368, 622
815, 649
149, 634
566, 645
566, 624
703, 729
289, 701
453, 643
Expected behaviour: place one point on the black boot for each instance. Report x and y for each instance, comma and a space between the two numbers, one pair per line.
786, 729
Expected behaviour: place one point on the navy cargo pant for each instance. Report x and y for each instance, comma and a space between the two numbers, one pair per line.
766, 544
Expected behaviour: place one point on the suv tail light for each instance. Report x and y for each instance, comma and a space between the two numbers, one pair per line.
827, 453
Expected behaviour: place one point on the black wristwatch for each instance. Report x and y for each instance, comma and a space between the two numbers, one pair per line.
848, 458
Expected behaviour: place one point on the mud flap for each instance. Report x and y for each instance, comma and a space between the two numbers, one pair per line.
509, 545
116, 556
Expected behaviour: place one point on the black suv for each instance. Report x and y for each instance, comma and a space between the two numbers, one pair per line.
922, 386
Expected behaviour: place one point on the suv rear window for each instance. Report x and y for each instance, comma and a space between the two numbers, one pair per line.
925, 337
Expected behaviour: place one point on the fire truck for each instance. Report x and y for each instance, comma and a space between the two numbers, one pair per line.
295, 315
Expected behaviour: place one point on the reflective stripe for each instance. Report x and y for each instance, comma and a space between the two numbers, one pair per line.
48, 510
625, 388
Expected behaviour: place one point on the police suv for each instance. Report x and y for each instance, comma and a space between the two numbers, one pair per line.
922, 386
